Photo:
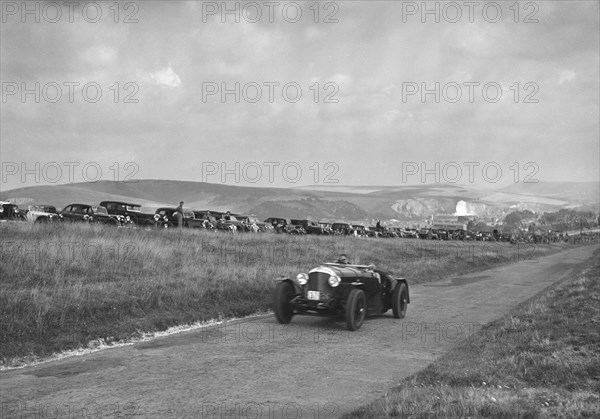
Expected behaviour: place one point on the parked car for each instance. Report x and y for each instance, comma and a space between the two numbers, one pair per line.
203, 219
224, 221
371, 232
484, 236
389, 232
360, 230
326, 228
100, 215
410, 233
441, 234
43, 214
310, 227
339, 289
398, 231
341, 228
428, 234
166, 217
250, 220
131, 213
375, 232
77, 213
11, 212
468, 236
84, 213
284, 225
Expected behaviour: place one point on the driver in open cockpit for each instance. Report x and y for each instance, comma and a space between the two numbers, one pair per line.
343, 259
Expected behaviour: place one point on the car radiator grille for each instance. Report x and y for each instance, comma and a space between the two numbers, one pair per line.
317, 281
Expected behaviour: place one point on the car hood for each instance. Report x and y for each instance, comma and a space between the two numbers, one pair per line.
343, 271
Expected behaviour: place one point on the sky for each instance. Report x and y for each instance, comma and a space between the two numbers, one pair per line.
327, 93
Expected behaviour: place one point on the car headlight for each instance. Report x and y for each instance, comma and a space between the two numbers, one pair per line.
302, 278
334, 280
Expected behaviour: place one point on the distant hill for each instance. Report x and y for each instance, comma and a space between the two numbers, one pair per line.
321, 201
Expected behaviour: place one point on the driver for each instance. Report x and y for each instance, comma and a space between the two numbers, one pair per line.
386, 280
343, 259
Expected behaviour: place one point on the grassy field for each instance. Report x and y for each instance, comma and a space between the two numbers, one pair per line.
542, 360
66, 285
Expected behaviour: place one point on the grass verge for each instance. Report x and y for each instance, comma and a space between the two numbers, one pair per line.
63, 286
542, 360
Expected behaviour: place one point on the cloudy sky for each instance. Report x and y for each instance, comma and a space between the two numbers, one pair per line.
335, 94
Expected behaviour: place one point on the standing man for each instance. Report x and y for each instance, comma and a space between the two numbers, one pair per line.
179, 212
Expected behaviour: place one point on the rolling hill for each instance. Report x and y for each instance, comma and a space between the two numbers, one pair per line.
332, 202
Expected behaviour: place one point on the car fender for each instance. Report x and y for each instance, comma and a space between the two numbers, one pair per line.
353, 285
403, 281
297, 287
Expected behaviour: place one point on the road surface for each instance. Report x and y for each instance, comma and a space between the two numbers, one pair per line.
256, 368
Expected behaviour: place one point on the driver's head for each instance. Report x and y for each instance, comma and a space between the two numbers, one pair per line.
343, 259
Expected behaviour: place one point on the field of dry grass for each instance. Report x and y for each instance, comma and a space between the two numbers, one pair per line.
542, 360
65, 285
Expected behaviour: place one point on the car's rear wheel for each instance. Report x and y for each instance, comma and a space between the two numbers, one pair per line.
356, 309
282, 307
399, 300
42, 220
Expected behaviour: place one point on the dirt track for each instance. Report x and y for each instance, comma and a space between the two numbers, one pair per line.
312, 368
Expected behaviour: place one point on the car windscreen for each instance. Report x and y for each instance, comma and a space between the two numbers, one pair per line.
100, 211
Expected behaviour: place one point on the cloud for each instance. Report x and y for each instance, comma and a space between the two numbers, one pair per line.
566, 75
166, 78
341, 79
100, 55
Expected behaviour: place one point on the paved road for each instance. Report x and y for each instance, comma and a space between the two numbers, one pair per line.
258, 368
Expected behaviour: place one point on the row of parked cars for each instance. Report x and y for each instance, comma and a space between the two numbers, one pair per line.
126, 214
117, 213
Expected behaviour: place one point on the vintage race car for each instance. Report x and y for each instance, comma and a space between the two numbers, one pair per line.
339, 289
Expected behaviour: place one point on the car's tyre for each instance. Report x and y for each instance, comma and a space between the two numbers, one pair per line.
399, 300
356, 309
112, 222
42, 220
281, 302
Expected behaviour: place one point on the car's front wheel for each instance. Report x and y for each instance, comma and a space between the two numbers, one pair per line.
399, 300
356, 309
111, 222
282, 307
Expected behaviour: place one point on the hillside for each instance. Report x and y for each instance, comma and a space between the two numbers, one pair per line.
334, 202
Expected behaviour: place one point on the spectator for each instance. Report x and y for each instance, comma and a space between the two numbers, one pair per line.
179, 214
